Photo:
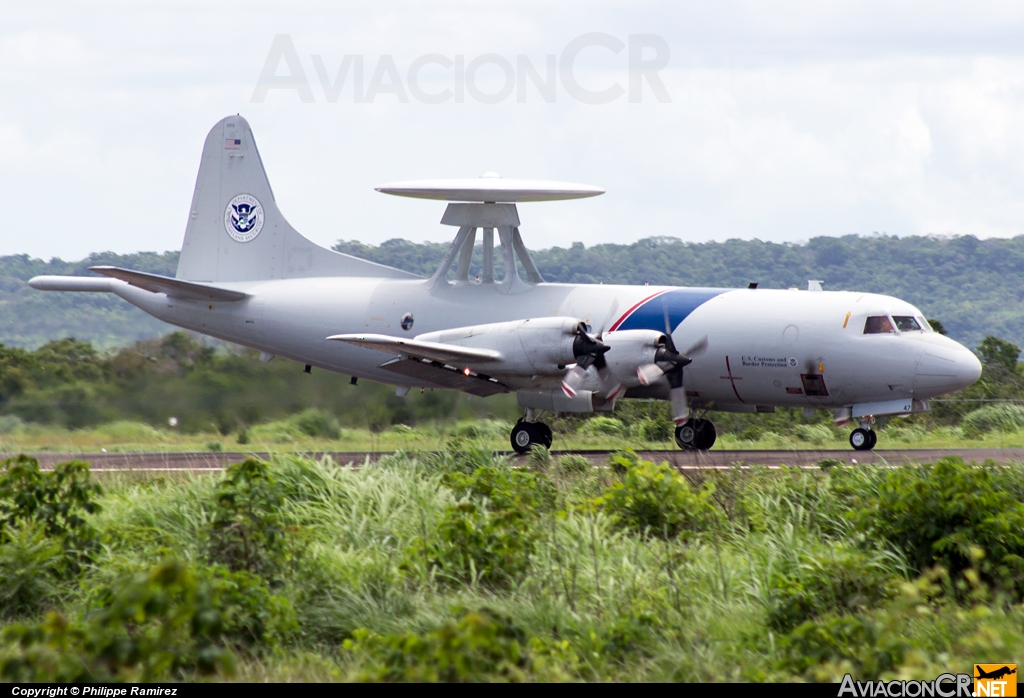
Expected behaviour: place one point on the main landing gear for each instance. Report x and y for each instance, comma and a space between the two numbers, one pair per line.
863, 439
526, 434
696, 435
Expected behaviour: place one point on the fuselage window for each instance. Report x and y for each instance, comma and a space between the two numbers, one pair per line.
878, 324
905, 323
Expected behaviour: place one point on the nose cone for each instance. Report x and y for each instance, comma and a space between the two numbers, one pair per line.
944, 368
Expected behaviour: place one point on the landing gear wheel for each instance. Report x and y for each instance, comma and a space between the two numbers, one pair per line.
706, 434
523, 436
527, 434
686, 436
863, 439
696, 435
544, 435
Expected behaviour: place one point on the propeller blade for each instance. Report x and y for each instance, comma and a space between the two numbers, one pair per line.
611, 388
649, 373
698, 348
680, 410
573, 380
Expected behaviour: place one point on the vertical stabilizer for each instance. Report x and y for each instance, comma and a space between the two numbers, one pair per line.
235, 231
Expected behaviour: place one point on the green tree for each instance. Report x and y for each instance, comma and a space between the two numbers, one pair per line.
996, 351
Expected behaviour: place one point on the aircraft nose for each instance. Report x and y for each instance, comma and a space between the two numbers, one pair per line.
945, 368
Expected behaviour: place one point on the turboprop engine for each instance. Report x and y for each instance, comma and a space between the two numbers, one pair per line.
632, 358
539, 346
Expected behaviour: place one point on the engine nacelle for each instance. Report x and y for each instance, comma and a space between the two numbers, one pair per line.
538, 346
631, 349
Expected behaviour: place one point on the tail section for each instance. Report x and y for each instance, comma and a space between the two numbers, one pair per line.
235, 231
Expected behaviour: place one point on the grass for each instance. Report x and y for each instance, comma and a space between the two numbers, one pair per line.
138, 437
766, 589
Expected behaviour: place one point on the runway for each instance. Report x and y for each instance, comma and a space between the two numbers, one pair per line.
200, 461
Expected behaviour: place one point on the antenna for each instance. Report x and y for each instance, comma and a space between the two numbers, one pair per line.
488, 203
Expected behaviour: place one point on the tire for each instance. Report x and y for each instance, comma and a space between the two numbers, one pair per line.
874, 438
523, 437
861, 440
706, 434
544, 435
686, 435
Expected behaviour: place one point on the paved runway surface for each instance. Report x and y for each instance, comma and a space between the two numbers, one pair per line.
199, 461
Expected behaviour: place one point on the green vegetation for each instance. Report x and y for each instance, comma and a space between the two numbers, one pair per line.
455, 567
177, 393
76, 396
972, 285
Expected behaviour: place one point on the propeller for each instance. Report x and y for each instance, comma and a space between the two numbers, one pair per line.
669, 362
589, 351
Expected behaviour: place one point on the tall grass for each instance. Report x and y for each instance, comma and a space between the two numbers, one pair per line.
764, 590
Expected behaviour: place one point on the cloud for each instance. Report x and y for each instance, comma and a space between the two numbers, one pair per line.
787, 120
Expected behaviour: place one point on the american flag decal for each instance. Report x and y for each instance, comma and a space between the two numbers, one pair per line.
232, 144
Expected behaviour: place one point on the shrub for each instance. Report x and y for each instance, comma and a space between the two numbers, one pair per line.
539, 457
10, 424
654, 430
838, 580
243, 437
170, 622
30, 565
461, 456
574, 463
529, 493
602, 426
813, 433
656, 499
247, 533
482, 429
938, 514
316, 423
215, 446
752, 433
477, 646
475, 544
128, 431
999, 417
859, 640
58, 500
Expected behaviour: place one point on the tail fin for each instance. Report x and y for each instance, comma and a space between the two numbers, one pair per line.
235, 231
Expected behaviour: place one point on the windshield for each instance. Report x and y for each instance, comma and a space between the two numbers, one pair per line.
878, 324
905, 323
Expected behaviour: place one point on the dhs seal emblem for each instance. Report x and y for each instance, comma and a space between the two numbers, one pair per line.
243, 218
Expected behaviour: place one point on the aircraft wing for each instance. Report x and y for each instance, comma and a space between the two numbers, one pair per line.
434, 351
155, 283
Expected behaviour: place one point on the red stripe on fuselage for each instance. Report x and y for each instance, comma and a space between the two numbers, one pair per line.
629, 312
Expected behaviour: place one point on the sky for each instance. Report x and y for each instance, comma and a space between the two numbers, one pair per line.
780, 121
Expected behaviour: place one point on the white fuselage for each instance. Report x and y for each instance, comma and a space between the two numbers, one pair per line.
755, 347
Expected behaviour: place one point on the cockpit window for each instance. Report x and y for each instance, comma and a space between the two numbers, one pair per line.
924, 324
878, 324
905, 323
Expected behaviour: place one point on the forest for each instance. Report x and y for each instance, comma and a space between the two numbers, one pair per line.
974, 287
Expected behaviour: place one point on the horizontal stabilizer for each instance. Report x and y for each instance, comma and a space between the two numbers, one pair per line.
89, 284
178, 288
435, 351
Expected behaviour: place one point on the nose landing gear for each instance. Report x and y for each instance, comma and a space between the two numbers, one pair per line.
696, 435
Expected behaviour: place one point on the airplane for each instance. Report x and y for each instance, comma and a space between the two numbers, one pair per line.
246, 276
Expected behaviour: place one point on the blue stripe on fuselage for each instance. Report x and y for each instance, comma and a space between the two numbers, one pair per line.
677, 304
